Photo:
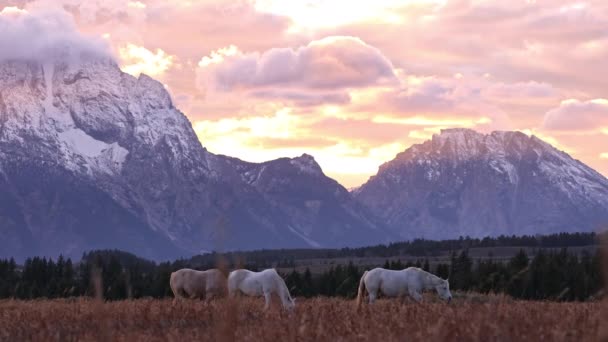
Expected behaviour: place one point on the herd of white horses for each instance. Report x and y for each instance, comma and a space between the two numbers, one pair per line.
412, 281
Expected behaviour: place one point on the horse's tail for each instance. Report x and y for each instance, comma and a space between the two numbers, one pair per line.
283, 292
360, 292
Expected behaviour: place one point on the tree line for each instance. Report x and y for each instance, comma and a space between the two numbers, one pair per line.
114, 275
416, 247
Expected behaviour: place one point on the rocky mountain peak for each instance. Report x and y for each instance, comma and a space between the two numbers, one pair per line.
307, 164
463, 182
461, 144
90, 113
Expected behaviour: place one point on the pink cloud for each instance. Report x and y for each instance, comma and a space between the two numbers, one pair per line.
557, 42
330, 63
497, 105
303, 98
366, 132
431, 95
575, 115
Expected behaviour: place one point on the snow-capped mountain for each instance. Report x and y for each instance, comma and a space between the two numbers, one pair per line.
91, 157
466, 183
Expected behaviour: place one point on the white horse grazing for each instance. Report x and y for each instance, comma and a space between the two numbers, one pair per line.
187, 283
411, 281
263, 283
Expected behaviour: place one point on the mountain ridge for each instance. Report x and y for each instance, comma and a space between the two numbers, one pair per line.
103, 134
93, 158
450, 173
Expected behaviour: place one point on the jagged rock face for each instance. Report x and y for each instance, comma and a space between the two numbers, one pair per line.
465, 183
318, 209
91, 157
103, 134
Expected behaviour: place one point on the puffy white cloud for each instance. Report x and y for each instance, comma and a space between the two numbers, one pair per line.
42, 34
329, 63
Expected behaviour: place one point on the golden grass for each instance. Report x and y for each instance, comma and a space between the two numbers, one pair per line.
319, 319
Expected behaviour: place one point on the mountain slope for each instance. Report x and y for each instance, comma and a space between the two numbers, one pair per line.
91, 157
318, 208
465, 183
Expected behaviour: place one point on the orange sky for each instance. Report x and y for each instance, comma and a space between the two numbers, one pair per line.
355, 82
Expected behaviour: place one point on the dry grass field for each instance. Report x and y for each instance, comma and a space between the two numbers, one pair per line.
320, 319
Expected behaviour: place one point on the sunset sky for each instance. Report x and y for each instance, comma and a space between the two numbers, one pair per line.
355, 82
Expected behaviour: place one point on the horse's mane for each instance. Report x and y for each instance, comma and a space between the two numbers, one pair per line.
430, 276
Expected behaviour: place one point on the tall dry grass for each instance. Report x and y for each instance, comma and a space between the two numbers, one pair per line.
320, 319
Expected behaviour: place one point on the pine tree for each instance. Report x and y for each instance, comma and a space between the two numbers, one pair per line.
426, 265
518, 275
443, 271
461, 271
68, 280
519, 261
294, 283
8, 278
307, 284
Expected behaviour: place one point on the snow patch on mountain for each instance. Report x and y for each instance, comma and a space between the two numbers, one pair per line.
48, 83
503, 167
96, 154
253, 175
308, 240
80, 142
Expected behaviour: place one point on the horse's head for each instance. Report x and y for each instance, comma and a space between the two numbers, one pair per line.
443, 290
290, 304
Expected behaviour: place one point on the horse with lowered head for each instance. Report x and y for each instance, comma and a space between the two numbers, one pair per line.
263, 283
411, 281
188, 283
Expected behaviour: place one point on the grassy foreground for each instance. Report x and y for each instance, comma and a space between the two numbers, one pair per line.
320, 319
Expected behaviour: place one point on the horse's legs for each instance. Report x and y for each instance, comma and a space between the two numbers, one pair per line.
416, 295
267, 296
211, 296
178, 294
372, 296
